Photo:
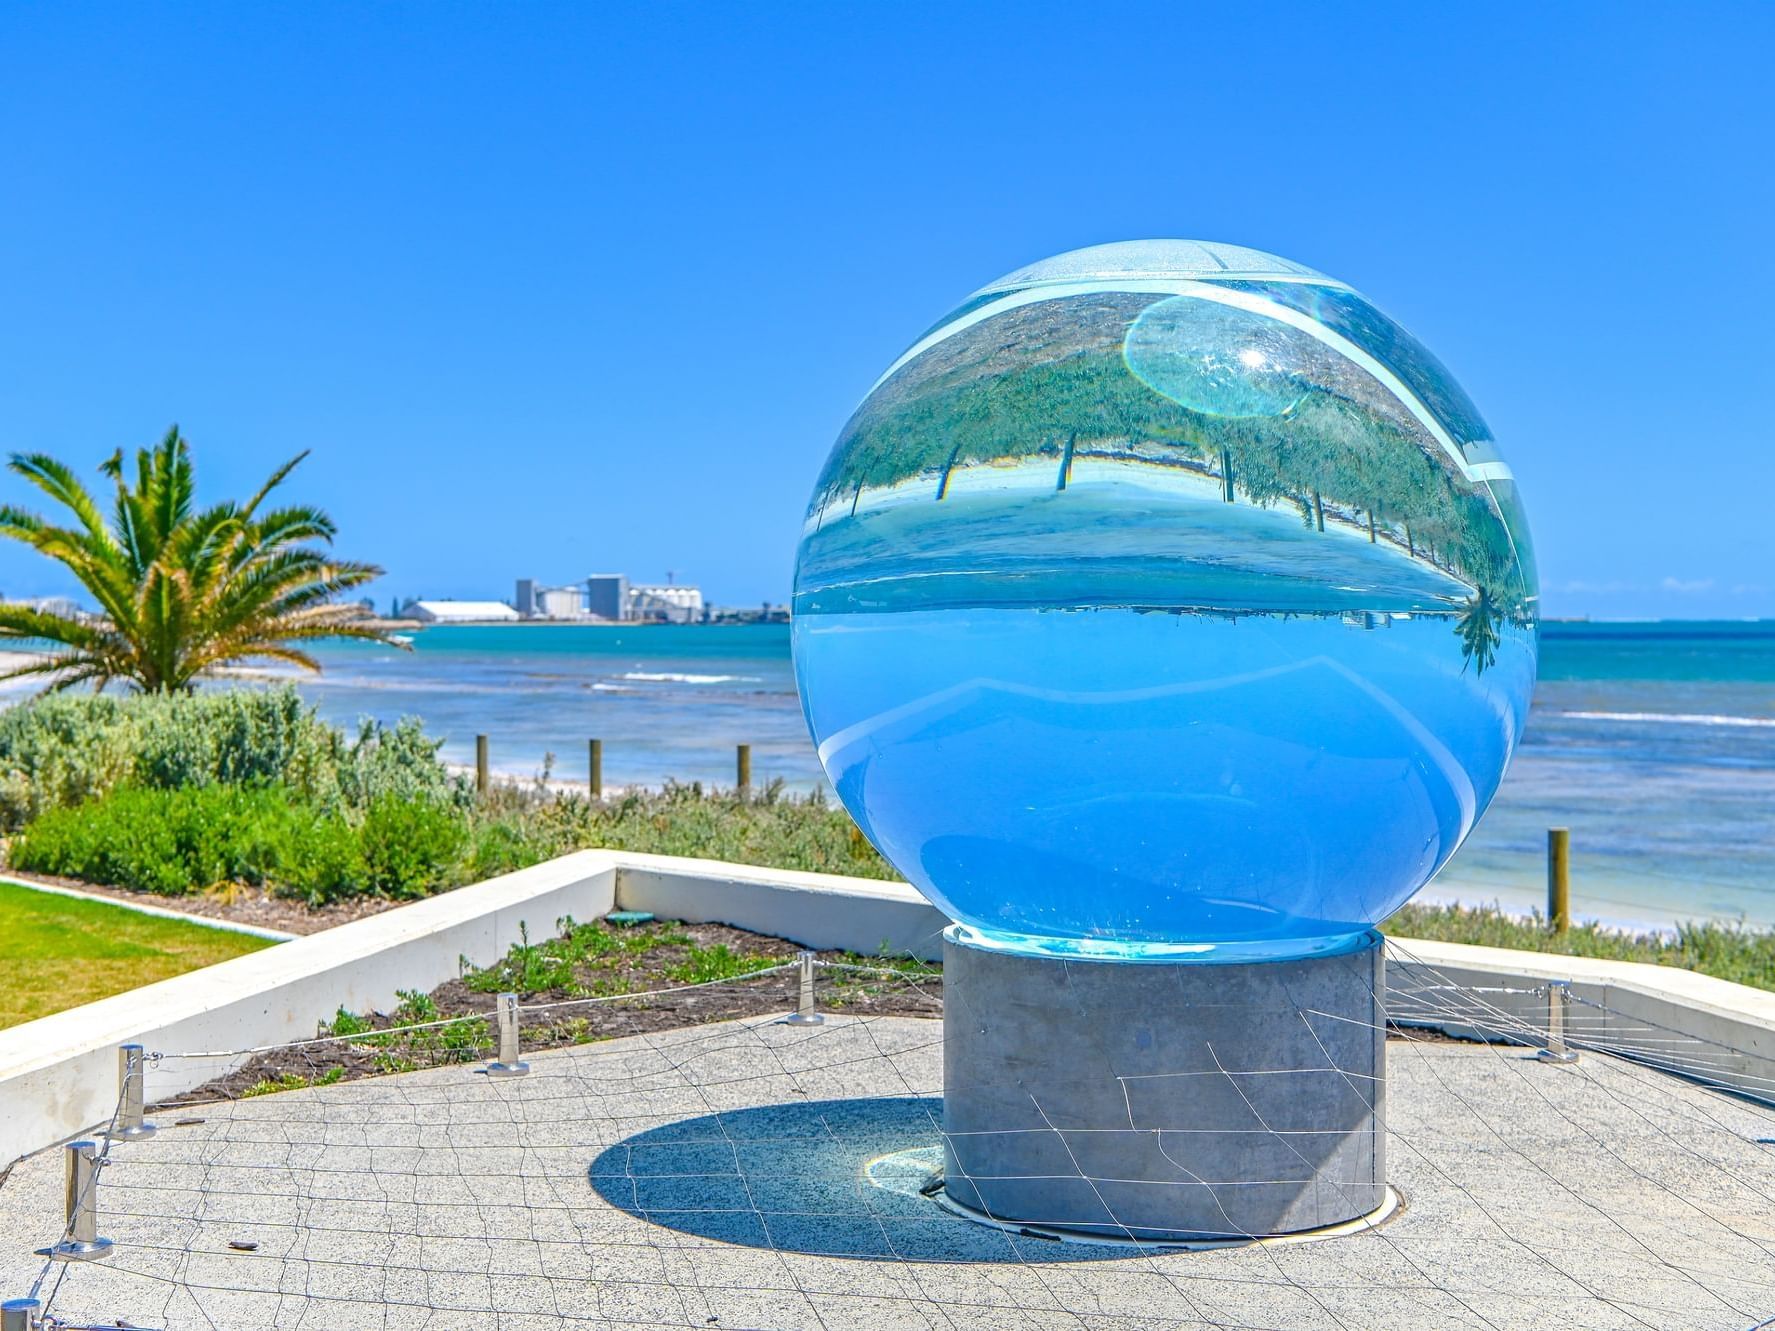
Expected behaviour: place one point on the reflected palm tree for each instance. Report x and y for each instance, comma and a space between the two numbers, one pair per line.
1477, 628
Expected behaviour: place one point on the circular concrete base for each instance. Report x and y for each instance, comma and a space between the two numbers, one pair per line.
1169, 1102
1391, 1202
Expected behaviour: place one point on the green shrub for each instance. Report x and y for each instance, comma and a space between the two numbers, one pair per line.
238, 737
771, 827
411, 847
399, 760
1730, 952
507, 845
187, 840
324, 863
61, 751
169, 841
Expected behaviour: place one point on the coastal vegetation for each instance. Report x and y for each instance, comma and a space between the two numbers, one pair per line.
211, 791
181, 590
199, 792
1725, 951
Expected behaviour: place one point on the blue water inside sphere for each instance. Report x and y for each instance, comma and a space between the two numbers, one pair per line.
1166, 600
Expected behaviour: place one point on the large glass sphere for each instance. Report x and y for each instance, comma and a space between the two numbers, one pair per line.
1166, 599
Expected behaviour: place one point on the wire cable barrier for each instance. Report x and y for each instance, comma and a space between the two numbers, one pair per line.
763, 1173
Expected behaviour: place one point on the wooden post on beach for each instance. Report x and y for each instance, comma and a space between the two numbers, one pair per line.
481, 763
743, 770
1559, 886
597, 779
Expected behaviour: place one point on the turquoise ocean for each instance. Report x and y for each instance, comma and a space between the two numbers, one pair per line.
1653, 742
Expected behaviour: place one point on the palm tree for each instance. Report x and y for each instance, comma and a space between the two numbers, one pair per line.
181, 590
1477, 628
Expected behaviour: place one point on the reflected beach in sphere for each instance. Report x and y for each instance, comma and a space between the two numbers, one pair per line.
1166, 600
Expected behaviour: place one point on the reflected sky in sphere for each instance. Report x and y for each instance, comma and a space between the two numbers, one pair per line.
1218, 360
1166, 600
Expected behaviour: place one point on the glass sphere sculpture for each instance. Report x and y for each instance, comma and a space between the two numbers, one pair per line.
1166, 600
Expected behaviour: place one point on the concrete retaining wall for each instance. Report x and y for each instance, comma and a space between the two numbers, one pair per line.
1710, 1029
58, 1074
817, 910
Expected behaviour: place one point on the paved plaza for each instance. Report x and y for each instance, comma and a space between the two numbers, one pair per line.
754, 1175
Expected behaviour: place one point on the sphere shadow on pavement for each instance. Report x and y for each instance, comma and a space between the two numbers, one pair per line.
836, 1178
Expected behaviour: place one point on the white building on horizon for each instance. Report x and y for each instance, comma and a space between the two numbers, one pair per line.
611, 598
459, 612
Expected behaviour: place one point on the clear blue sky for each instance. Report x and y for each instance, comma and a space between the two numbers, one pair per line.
559, 288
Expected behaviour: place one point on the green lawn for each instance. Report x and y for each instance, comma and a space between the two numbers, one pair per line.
58, 952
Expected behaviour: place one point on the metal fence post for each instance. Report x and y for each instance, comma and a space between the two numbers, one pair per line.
804, 1014
80, 1240
21, 1315
597, 778
508, 1063
130, 1125
1559, 997
743, 769
481, 775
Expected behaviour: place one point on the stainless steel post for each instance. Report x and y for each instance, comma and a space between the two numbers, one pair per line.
80, 1240
21, 1315
804, 1014
1559, 997
505, 1012
130, 1125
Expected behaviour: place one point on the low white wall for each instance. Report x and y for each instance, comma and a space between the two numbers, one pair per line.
818, 910
58, 1074
1695, 1024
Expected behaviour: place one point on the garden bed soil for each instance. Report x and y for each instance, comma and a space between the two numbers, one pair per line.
643, 991
639, 977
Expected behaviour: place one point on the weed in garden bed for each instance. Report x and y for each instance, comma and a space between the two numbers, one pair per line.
705, 965
292, 1081
584, 960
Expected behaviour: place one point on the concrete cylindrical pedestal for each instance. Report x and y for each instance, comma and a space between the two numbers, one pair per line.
1164, 1100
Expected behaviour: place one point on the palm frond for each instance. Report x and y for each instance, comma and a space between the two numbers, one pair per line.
58, 481
182, 591
19, 621
276, 479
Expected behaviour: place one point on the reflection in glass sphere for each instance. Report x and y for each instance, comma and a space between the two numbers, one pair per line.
1166, 599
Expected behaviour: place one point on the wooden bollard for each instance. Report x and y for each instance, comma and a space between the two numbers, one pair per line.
743, 769
596, 782
1559, 884
481, 763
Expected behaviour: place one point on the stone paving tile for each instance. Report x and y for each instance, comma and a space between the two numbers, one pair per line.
756, 1176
